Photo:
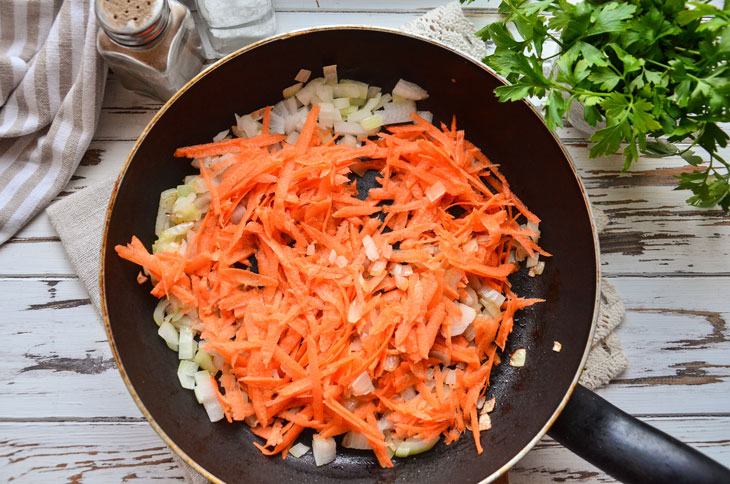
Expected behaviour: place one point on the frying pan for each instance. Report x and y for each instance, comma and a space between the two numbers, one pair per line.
529, 399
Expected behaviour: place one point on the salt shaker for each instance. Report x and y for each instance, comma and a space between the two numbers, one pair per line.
152, 45
231, 24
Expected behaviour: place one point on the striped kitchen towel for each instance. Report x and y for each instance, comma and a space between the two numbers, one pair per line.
51, 87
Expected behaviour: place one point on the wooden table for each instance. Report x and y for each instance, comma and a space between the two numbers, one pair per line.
66, 416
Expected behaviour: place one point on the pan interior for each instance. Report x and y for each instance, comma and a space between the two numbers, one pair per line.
510, 134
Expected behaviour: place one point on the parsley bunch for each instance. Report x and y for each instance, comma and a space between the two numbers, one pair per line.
652, 70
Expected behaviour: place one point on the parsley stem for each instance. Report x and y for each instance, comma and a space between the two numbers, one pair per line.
517, 12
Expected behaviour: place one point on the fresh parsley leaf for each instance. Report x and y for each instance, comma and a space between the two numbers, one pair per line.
610, 17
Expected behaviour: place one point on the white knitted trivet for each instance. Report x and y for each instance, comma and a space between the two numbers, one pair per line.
79, 220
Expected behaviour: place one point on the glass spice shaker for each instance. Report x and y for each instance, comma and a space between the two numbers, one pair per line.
231, 24
152, 45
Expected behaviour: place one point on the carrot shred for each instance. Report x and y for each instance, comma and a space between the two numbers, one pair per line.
339, 299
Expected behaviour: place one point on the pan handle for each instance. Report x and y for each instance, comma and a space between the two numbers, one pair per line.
627, 448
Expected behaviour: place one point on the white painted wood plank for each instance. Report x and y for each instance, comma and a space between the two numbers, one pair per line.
34, 258
57, 348
132, 452
56, 358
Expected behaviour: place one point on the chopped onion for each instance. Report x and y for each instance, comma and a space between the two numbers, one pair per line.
489, 405
470, 333
298, 450
414, 446
391, 362
409, 90
220, 136
358, 116
330, 73
469, 297
426, 115
443, 357
324, 450
325, 93
303, 75
186, 374
345, 127
450, 378
168, 332
535, 228
354, 312
377, 268
204, 389
311, 249
292, 138
362, 385
557, 346
340, 103
167, 200
371, 250
467, 316
485, 422
186, 344
540, 267
490, 308
401, 282
532, 260
408, 394
491, 296
341, 261
385, 424
203, 359
214, 410
517, 359
305, 94
292, 90
159, 314
355, 440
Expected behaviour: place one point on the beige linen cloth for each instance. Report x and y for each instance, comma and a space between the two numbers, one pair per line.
51, 86
79, 220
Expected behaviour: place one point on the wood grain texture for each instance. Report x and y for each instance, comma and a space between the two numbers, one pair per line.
75, 452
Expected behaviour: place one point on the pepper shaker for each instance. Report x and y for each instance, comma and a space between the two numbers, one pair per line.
152, 45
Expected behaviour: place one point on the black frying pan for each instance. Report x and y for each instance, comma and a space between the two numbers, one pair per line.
529, 399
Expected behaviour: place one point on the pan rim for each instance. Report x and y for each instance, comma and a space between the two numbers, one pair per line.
105, 315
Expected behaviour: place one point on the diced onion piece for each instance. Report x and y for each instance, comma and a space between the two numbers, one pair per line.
517, 358
355, 440
186, 344
332, 256
385, 424
470, 297
214, 410
467, 316
489, 405
373, 91
292, 138
167, 200
330, 76
532, 261
491, 295
310, 249
159, 312
354, 312
340, 103
358, 116
303, 75
535, 228
292, 90
443, 357
384, 99
186, 374
391, 362
557, 346
203, 359
397, 112
435, 191
485, 422
248, 125
539, 267
220, 136
409, 90
345, 127
341, 261
371, 250
480, 402
299, 449
413, 446
490, 308
362, 385
377, 268
372, 122
324, 450
168, 332
470, 332
204, 389
325, 93
426, 115
305, 94
408, 394
401, 282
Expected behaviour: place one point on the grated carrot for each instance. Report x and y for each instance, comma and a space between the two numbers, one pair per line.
317, 317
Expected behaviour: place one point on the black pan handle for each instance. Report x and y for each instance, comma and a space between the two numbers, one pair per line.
627, 448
